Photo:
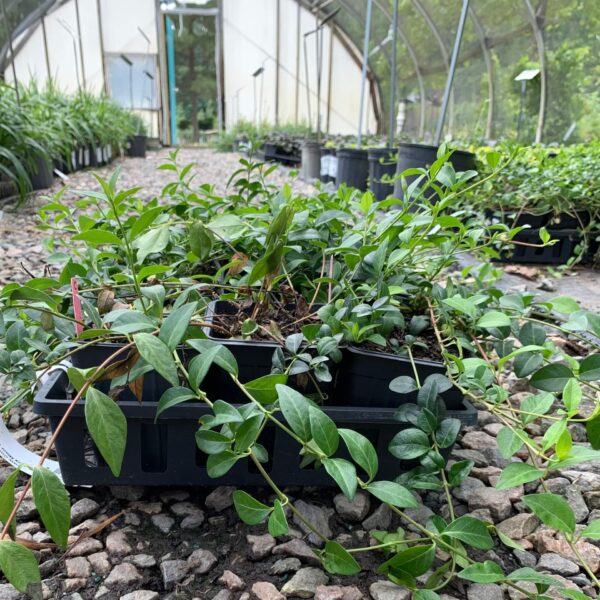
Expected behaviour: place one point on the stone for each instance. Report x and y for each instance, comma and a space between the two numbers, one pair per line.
220, 498
421, 514
193, 521
386, 590
201, 561
466, 488
85, 546
355, 510
174, 496
73, 584
298, 549
163, 522
173, 571
337, 592
586, 481
526, 559
285, 565
225, 595
144, 561
232, 581
495, 500
519, 526
8, 592
127, 492
260, 545
99, 563
556, 485
263, 590
557, 564
305, 582
117, 545
141, 595
381, 518
78, 567
477, 440
575, 499
148, 508
318, 517
83, 509
184, 509
485, 591
544, 542
122, 575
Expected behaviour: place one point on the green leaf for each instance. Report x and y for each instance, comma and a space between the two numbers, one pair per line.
459, 471
172, 397
151, 242
107, 426
175, 325
200, 365
294, 407
343, 473
516, 474
592, 531
552, 510
564, 305
98, 237
212, 442
409, 443
552, 378
278, 524
201, 240
224, 357
324, 431
527, 363
507, 541
20, 567
509, 441
219, 464
403, 385
413, 562
589, 369
447, 433
529, 574
157, 354
263, 389
247, 433
7, 500
538, 405
462, 305
392, 493
471, 531
485, 572
571, 396
338, 560
52, 501
532, 334
493, 320
573, 594
361, 450
425, 595
592, 428
250, 510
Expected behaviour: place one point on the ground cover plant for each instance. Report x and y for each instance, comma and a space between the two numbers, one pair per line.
317, 277
47, 124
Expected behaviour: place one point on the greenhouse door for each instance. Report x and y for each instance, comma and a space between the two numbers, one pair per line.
193, 54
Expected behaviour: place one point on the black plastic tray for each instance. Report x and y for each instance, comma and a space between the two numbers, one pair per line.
557, 254
165, 453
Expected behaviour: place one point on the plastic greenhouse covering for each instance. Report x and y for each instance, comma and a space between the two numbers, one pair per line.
558, 41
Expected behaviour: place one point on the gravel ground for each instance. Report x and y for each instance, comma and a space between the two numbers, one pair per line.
180, 544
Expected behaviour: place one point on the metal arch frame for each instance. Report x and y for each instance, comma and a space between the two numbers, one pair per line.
487, 57
415, 62
541, 48
352, 49
443, 51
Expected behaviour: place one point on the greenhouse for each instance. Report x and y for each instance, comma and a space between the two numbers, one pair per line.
299, 299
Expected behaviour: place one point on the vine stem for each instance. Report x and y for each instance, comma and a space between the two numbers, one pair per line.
57, 431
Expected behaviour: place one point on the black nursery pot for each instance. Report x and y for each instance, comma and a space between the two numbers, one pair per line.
352, 168
381, 162
41, 175
137, 146
411, 156
165, 453
254, 359
367, 376
557, 254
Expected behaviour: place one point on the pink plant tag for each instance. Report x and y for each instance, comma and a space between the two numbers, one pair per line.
77, 312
